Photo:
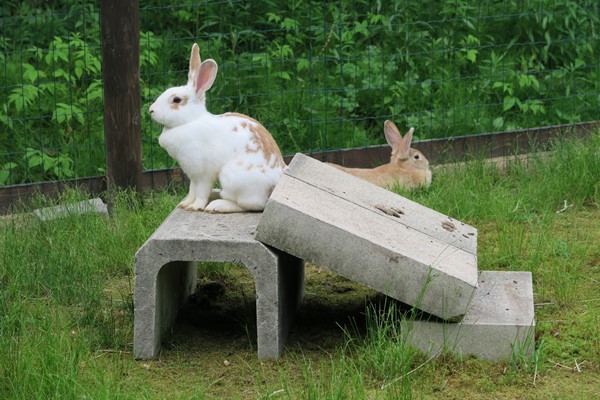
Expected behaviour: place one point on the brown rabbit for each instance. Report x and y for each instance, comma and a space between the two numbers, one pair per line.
407, 167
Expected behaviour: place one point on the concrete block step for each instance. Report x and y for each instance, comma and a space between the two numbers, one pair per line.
500, 321
372, 236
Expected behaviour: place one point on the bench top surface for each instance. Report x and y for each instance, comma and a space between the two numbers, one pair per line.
199, 226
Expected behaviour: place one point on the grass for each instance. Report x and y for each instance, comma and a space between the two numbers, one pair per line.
66, 310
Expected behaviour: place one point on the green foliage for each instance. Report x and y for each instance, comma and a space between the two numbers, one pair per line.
319, 75
51, 115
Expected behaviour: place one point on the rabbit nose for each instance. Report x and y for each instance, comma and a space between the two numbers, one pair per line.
151, 110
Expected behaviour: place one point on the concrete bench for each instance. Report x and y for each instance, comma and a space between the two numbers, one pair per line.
165, 276
365, 233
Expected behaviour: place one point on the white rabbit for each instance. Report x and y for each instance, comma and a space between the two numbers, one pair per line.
232, 148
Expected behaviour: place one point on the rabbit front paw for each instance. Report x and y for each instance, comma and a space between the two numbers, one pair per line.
186, 202
196, 206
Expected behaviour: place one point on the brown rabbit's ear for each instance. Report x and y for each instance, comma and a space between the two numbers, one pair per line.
407, 139
205, 77
392, 134
195, 63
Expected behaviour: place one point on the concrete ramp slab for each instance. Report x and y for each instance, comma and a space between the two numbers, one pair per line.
372, 236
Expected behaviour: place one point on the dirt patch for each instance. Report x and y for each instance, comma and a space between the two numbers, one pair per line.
223, 312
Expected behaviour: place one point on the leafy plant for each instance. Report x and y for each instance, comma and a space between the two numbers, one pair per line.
59, 90
318, 75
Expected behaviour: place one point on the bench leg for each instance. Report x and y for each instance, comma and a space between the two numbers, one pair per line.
161, 288
278, 297
158, 296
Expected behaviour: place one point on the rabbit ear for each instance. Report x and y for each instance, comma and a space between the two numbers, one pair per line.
195, 63
205, 77
407, 140
392, 134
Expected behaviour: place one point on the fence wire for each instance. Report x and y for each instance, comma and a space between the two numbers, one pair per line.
318, 74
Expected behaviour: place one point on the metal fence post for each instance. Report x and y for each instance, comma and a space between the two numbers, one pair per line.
120, 22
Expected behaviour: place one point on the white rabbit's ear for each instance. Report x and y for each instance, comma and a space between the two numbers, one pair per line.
195, 63
205, 77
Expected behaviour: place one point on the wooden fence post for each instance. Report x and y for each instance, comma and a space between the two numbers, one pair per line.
122, 99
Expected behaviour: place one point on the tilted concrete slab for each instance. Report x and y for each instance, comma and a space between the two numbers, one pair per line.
500, 321
372, 236
165, 276
384, 202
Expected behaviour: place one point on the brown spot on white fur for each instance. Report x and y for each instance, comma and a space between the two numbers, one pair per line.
261, 141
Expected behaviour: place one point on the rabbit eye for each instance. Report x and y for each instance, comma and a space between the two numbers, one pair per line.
176, 100
417, 157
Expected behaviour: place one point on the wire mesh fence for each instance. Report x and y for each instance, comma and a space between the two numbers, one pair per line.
318, 74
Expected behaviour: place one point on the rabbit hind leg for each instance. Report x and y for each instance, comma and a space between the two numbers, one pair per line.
223, 206
231, 204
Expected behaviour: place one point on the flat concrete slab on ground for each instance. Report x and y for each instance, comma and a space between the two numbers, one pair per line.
372, 236
91, 206
500, 321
